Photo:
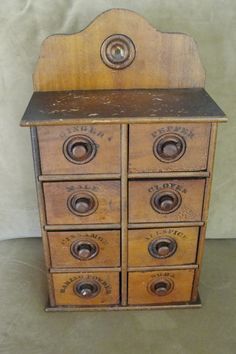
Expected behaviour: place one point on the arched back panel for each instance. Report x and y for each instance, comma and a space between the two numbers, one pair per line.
141, 57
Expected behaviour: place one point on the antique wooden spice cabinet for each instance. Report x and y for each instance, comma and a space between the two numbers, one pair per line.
123, 137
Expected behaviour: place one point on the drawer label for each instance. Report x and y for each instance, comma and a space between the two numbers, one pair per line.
165, 232
173, 129
168, 185
73, 188
163, 274
84, 129
67, 240
107, 287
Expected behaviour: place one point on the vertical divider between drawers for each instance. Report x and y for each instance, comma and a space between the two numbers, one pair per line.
124, 212
41, 205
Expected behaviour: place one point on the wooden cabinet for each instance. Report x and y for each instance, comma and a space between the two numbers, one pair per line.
123, 144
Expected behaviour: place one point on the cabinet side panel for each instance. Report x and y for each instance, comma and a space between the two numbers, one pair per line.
124, 212
206, 202
41, 206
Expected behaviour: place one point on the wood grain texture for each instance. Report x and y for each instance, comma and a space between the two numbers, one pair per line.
164, 267
91, 177
139, 241
106, 192
161, 175
141, 192
108, 243
139, 283
142, 157
106, 139
121, 106
64, 288
86, 270
82, 227
165, 224
72, 62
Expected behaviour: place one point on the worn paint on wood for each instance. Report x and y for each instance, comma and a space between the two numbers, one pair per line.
121, 106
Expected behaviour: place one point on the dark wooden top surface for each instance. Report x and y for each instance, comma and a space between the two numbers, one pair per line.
121, 106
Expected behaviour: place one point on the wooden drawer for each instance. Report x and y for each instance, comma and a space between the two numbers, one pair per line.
79, 149
82, 202
168, 147
84, 248
159, 287
164, 246
86, 289
166, 200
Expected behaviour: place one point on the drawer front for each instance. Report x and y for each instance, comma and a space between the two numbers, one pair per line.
79, 149
166, 200
164, 246
85, 249
82, 202
160, 287
86, 289
178, 147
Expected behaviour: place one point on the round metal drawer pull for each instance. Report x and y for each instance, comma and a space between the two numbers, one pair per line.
79, 149
166, 201
87, 288
84, 250
82, 203
162, 247
169, 147
161, 286
118, 51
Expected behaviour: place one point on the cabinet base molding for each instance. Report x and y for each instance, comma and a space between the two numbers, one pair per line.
182, 305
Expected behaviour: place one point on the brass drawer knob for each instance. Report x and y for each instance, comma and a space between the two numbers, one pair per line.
82, 203
162, 248
79, 149
87, 288
161, 286
169, 147
166, 201
84, 250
